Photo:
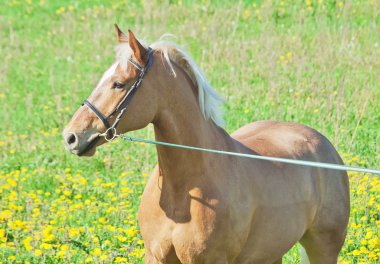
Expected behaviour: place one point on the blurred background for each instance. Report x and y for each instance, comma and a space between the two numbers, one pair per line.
311, 62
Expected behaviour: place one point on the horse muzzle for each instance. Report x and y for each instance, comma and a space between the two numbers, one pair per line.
78, 146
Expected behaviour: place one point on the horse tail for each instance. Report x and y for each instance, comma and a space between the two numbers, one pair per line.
303, 256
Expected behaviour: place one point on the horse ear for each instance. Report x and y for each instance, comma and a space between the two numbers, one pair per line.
139, 50
121, 37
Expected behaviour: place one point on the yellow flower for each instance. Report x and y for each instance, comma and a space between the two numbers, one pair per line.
4, 215
26, 243
64, 248
47, 234
247, 13
61, 254
363, 250
356, 252
74, 232
121, 260
60, 10
121, 238
131, 232
12, 182
45, 246
37, 252
2, 235
138, 252
96, 252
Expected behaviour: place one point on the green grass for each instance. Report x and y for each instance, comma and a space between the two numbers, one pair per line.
311, 62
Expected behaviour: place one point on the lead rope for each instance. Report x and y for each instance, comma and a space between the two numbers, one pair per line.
251, 156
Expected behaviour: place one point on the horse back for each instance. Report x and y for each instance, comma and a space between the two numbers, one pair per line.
286, 140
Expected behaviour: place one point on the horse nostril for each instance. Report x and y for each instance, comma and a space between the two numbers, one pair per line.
72, 139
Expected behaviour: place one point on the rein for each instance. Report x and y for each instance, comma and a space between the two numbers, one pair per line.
307, 163
122, 105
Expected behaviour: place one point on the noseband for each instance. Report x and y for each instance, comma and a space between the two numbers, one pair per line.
122, 105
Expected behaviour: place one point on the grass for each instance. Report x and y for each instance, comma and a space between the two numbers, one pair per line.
311, 62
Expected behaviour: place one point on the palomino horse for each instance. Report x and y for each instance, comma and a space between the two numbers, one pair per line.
201, 207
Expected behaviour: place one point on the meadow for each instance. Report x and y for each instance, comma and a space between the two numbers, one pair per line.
315, 62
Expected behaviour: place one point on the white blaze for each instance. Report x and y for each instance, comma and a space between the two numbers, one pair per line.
108, 74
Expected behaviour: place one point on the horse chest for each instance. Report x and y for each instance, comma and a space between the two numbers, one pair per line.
185, 237
187, 242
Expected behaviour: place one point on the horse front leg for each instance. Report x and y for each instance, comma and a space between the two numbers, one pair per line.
149, 258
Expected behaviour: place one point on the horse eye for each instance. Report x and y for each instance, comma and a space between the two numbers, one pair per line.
118, 85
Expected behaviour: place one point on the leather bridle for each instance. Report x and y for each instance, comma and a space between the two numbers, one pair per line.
122, 105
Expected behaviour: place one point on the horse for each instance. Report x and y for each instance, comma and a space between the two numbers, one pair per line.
200, 207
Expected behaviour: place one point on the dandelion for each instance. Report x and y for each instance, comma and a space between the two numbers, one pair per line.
45, 246
61, 254
5, 215
60, 10
26, 243
103, 257
96, 252
121, 260
247, 13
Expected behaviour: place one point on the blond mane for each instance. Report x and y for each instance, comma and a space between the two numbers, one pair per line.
209, 100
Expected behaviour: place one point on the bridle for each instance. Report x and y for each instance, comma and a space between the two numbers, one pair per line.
122, 105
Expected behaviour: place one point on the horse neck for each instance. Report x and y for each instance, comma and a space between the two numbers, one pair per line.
182, 122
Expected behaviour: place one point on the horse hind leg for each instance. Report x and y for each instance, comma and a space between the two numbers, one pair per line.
322, 247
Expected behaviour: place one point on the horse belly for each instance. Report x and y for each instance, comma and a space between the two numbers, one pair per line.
273, 232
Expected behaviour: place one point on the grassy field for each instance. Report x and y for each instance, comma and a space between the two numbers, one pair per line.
312, 62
